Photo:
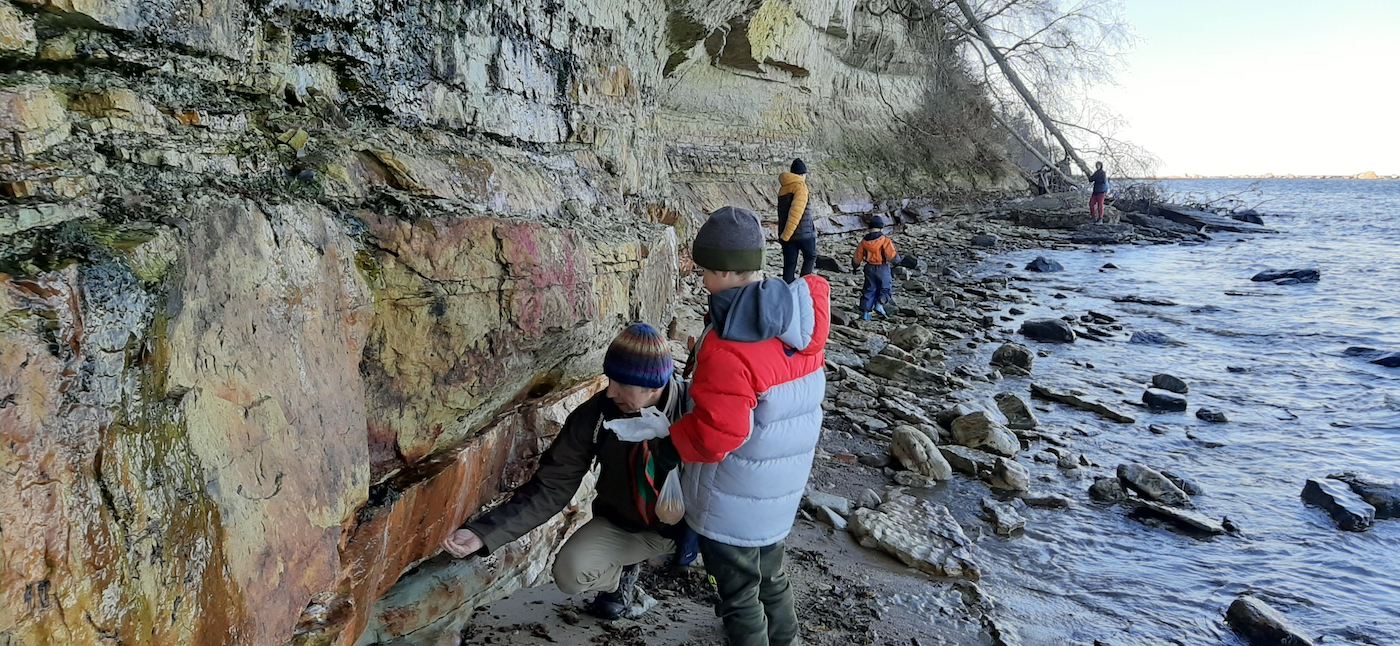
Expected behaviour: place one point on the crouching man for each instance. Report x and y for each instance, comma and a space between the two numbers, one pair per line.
604, 555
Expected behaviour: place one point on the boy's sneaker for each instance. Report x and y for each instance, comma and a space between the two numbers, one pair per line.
865, 316
879, 309
609, 606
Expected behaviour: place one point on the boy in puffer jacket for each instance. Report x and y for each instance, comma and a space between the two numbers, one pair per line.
876, 252
748, 442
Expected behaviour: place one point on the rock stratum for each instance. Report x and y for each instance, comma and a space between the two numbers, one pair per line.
291, 288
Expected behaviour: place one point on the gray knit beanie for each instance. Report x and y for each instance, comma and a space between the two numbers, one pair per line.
730, 240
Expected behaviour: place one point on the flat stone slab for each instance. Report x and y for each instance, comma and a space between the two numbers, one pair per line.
920, 534
1182, 517
1198, 219
968, 461
1384, 496
1288, 276
1075, 401
816, 499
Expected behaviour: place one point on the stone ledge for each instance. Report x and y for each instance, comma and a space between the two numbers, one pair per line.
418, 510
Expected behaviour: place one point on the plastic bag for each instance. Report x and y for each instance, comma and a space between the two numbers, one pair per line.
670, 505
651, 424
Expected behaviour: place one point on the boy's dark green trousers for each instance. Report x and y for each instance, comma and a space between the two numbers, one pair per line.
755, 598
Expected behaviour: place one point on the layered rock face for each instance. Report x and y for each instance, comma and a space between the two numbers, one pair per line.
290, 289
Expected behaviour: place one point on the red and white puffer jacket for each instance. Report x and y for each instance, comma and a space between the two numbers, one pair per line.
756, 414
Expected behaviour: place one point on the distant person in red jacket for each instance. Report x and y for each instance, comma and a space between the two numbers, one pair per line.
1100, 180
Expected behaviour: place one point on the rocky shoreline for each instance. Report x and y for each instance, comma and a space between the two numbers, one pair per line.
887, 538
916, 470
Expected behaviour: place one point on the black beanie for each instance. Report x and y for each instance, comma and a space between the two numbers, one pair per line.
799, 167
731, 239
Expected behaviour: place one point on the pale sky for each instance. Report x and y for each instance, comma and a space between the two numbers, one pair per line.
1217, 87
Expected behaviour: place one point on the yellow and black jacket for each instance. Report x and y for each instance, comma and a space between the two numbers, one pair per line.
794, 214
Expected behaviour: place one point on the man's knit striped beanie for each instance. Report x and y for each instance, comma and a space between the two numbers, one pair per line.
639, 356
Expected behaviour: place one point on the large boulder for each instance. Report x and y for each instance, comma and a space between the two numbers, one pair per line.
1048, 330
1018, 413
1013, 358
1261, 625
1163, 400
1384, 496
918, 453
920, 534
1288, 276
979, 431
1151, 484
1158, 223
1053, 218
1044, 265
1348, 509
1205, 220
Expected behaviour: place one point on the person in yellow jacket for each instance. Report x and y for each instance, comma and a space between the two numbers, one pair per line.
796, 235
876, 251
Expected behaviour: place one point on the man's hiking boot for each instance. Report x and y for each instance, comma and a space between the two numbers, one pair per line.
613, 605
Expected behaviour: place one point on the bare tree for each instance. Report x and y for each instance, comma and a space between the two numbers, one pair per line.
1046, 58
1014, 79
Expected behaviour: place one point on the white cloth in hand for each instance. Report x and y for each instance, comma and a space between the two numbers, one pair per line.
649, 425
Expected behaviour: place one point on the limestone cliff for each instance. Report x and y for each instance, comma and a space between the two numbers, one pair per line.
289, 288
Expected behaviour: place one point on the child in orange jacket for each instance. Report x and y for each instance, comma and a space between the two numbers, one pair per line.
876, 251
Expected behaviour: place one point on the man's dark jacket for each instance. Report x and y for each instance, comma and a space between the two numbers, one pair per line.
568, 459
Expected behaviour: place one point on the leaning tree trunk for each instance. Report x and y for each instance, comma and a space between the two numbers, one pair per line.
1020, 87
1033, 150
